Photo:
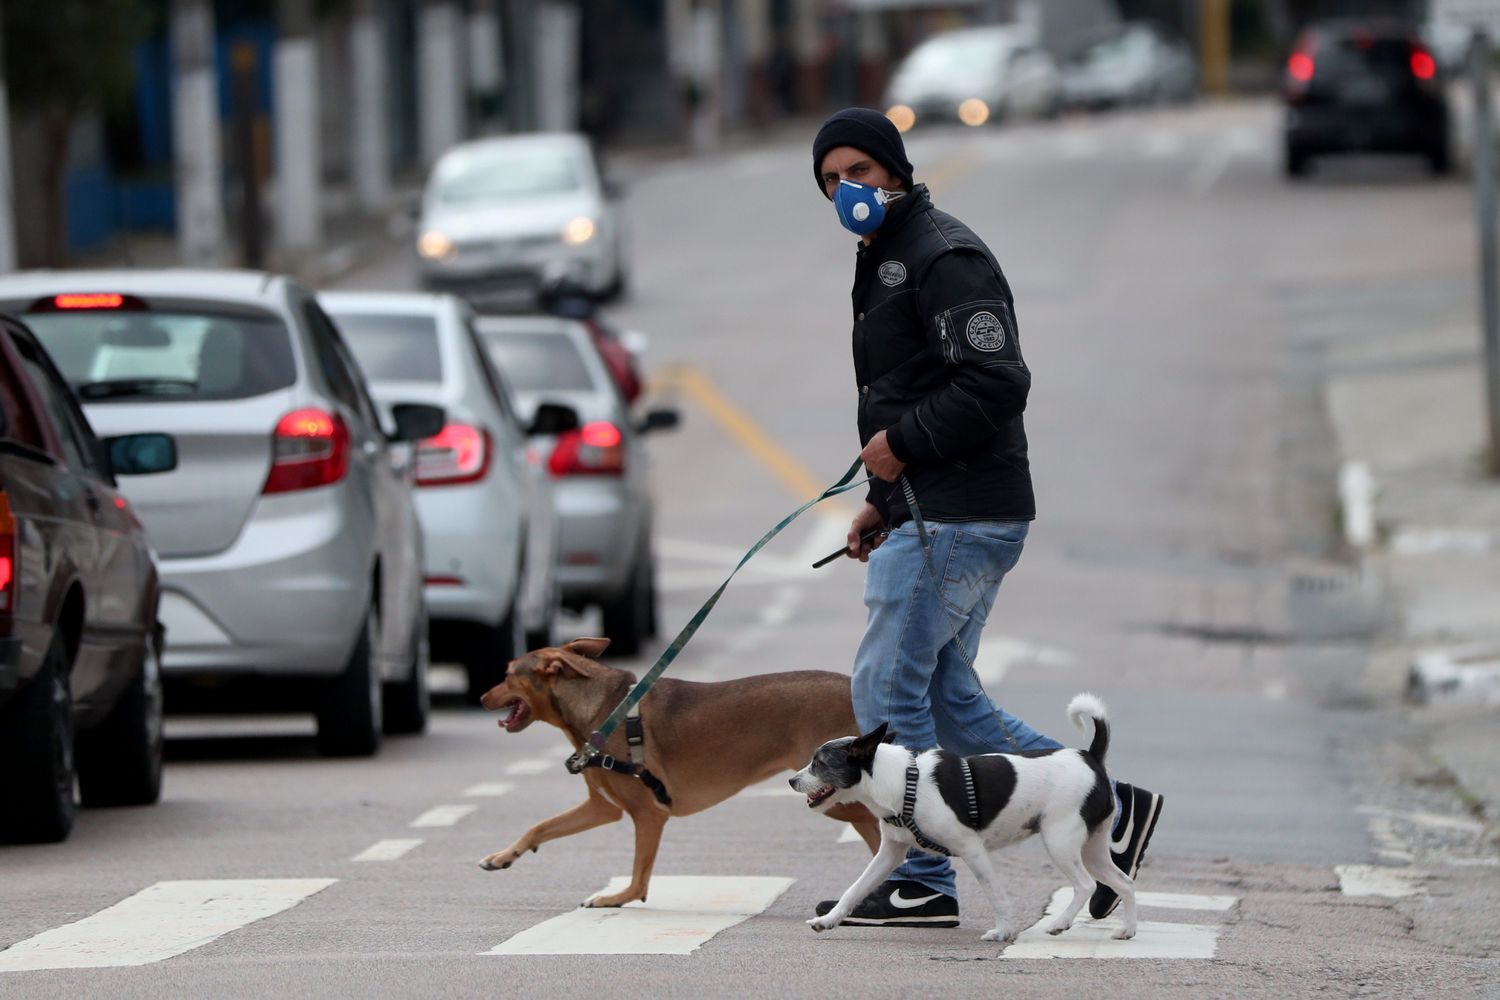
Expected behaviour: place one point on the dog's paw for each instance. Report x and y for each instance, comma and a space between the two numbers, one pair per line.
998, 934
823, 923
1058, 928
1124, 934
499, 862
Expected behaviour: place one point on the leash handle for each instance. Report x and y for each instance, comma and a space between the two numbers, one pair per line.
597, 740
867, 536
937, 587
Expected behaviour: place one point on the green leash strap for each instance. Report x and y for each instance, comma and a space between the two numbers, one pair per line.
578, 761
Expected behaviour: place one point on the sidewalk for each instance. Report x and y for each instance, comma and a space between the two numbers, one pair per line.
1410, 409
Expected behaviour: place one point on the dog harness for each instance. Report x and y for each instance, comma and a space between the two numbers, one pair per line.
635, 737
906, 818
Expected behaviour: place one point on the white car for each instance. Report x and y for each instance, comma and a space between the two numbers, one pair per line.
483, 494
974, 76
1140, 65
497, 213
289, 551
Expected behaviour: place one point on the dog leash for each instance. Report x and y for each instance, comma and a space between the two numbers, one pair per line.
590, 755
937, 588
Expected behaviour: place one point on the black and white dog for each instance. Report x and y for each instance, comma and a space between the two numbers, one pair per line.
969, 806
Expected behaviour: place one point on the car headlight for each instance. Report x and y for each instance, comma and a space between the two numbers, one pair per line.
579, 231
973, 112
433, 245
902, 117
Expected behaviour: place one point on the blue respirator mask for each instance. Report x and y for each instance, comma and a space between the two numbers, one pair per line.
861, 208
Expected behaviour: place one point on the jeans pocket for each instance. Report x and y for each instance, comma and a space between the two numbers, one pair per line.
980, 557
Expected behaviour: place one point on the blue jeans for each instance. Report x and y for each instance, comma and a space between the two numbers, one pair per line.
909, 671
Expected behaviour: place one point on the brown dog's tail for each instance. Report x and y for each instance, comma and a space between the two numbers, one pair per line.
1087, 706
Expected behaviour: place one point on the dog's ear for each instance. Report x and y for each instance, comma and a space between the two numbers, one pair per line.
862, 750
557, 666
591, 648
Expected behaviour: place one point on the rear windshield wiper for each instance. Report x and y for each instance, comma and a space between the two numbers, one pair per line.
134, 387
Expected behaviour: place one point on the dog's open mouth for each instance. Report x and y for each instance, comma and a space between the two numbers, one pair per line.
820, 796
514, 715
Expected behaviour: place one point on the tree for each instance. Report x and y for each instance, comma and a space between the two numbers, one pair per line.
64, 58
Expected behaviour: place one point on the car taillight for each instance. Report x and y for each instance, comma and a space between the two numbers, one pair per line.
1423, 66
1301, 67
7, 556
595, 449
310, 448
459, 453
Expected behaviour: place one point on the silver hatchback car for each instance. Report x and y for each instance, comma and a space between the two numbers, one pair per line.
483, 493
600, 473
290, 554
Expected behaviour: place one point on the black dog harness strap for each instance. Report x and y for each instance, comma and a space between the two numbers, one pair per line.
963, 765
635, 736
906, 818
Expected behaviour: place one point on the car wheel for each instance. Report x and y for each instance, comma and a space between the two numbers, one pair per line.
1297, 161
627, 618
349, 716
1439, 161
492, 648
36, 744
408, 701
119, 760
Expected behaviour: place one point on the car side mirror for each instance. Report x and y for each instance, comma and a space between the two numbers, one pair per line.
141, 454
417, 421
658, 420
552, 419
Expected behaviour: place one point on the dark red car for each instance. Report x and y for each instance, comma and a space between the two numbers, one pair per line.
80, 649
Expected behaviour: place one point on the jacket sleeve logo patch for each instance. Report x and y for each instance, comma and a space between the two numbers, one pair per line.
892, 273
985, 332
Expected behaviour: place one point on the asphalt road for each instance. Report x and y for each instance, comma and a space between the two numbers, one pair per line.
1182, 567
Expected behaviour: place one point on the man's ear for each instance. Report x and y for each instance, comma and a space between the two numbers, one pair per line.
862, 750
591, 648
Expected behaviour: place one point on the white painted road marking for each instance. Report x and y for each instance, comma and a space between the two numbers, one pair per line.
442, 816
1153, 939
850, 836
489, 789
1374, 880
387, 850
684, 912
532, 765
167, 919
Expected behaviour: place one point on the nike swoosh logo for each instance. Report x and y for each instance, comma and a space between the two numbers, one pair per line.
1118, 846
901, 903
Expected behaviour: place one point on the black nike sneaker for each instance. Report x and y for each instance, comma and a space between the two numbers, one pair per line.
1139, 811
900, 903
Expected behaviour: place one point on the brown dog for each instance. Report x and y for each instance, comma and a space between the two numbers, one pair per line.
704, 741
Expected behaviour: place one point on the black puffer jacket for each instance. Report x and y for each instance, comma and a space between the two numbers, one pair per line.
939, 368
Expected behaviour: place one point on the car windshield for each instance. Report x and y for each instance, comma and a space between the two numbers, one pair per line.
956, 54
478, 175
393, 348
539, 361
167, 356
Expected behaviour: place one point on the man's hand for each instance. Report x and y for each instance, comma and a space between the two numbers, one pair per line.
867, 518
880, 461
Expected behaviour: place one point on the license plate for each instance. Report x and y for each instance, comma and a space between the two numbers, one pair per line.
1364, 92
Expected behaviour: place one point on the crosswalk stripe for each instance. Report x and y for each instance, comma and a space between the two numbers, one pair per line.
387, 850
158, 922
850, 836
1377, 880
532, 765
1095, 938
684, 912
488, 789
442, 816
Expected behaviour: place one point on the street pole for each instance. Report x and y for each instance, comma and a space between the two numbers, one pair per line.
440, 78
1213, 40
1484, 186
7, 193
195, 146
299, 150
370, 155
243, 64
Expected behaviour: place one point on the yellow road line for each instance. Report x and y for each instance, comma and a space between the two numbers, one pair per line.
740, 426
949, 171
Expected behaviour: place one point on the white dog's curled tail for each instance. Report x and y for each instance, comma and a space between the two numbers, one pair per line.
1087, 706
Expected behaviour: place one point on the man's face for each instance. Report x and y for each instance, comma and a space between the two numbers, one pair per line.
845, 163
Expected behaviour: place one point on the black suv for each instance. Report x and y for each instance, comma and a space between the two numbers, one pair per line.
1357, 86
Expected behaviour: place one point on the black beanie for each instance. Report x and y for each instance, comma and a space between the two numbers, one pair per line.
869, 131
